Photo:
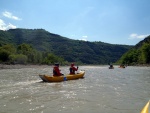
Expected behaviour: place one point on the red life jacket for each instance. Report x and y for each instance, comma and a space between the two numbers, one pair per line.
56, 71
72, 70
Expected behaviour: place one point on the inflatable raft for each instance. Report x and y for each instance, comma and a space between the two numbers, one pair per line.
48, 78
111, 67
121, 66
146, 108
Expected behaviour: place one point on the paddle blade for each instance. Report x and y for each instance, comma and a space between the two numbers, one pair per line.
145, 108
65, 78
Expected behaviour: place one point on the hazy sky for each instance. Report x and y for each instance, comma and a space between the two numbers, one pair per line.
110, 21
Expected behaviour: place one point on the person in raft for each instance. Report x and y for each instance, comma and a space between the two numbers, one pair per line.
73, 69
56, 70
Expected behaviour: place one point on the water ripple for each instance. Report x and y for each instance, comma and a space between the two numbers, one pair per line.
102, 90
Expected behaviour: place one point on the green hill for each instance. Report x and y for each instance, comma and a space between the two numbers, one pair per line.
71, 50
139, 54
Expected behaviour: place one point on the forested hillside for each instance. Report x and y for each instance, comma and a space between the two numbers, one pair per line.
139, 54
69, 50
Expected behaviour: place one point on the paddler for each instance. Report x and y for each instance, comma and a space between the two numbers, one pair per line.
73, 69
56, 70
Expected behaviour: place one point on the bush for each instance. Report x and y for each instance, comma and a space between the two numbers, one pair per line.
18, 59
4, 55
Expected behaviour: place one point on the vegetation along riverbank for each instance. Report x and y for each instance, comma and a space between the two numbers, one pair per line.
37, 46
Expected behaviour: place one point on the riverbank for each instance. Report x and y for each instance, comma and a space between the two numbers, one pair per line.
19, 66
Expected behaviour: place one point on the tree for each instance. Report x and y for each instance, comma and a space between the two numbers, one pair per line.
4, 55
9, 47
28, 50
131, 57
145, 53
18, 59
5, 51
24, 49
51, 59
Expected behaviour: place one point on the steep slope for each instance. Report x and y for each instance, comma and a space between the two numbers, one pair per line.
139, 54
71, 50
146, 40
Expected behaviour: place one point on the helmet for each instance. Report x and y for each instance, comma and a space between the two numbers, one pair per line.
56, 64
72, 64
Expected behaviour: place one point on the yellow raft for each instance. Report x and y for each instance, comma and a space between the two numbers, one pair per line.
48, 78
146, 108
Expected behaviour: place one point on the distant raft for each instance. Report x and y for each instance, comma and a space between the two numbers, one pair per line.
121, 66
111, 67
146, 108
48, 78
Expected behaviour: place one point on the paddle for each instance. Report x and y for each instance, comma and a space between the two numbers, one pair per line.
146, 108
77, 68
65, 78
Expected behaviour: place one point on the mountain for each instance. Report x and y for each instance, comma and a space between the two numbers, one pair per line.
139, 54
140, 44
71, 50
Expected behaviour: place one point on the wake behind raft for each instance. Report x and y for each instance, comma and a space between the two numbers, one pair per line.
48, 78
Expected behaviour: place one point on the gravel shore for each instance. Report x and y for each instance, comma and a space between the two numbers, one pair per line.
18, 66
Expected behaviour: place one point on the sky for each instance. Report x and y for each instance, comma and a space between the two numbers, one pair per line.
110, 21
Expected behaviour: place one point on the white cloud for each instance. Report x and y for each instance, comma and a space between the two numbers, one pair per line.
11, 26
4, 26
84, 38
136, 36
10, 15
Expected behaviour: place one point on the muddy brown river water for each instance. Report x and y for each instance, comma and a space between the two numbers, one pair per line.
102, 90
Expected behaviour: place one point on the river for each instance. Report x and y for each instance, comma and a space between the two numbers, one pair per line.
102, 90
